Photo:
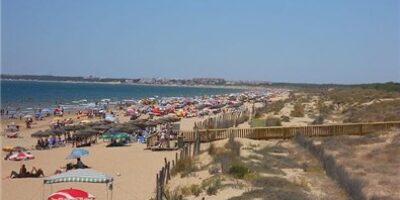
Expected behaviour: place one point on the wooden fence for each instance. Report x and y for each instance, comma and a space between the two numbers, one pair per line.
225, 120
283, 132
193, 139
189, 151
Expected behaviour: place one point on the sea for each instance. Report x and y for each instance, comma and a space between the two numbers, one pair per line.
28, 95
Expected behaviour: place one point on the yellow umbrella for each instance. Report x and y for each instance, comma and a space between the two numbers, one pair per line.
7, 148
85, 121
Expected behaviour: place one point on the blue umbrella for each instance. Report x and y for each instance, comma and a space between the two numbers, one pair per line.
77, 153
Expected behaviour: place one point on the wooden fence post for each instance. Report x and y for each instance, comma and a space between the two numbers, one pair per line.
168, 176
159, 186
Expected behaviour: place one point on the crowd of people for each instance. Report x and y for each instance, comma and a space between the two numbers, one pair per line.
49, 142
164, 134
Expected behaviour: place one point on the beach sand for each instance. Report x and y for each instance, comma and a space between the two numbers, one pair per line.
137, 168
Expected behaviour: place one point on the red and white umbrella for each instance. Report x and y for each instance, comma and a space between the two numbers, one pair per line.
70, 194
21, 156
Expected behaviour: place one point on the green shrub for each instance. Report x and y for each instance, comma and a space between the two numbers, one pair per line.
195, 190
213, 180
276, 106
258, 115
238, 171
273, 121
212, 190
285, 118
212, 184
298, 110
257, 122
230, 155
185, 191
174, 195
211, 149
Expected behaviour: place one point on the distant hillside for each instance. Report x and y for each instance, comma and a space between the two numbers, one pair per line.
388, 86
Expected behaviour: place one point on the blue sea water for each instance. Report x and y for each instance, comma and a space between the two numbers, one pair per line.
33, 94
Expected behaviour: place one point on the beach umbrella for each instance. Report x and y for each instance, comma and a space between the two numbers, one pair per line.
70, 194
77, 153
86, 132
21, 156
37, 134
101, 127
18, 148
58, 131
79, 175
120, 135
41, 133
73, 127
114, 130
126, 128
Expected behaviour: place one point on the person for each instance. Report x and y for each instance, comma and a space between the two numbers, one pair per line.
46, 143
69, 166
39, 144
79, 164
59, 140
36, 173
27, 123
162, 139
8, 155
22, 173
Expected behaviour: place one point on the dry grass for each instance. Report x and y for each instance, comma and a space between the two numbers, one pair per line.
298, 110
381, 111
275, 107
273, 121
184, 167
353, 104
274, 188
335, 170
372, 159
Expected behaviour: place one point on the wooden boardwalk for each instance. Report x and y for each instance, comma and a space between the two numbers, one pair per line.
284, 132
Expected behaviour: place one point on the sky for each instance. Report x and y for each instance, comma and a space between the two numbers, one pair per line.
308, 41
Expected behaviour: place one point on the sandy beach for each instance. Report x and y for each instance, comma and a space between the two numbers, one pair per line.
136, 167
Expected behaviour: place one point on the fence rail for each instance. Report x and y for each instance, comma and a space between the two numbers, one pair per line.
285, 132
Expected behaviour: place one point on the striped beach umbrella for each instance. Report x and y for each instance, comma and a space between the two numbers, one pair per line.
70, 194
79, 175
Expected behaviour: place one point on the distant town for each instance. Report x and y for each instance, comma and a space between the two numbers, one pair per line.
148, 81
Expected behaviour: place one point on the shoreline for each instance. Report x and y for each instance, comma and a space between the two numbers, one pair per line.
25, 108
143, 84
